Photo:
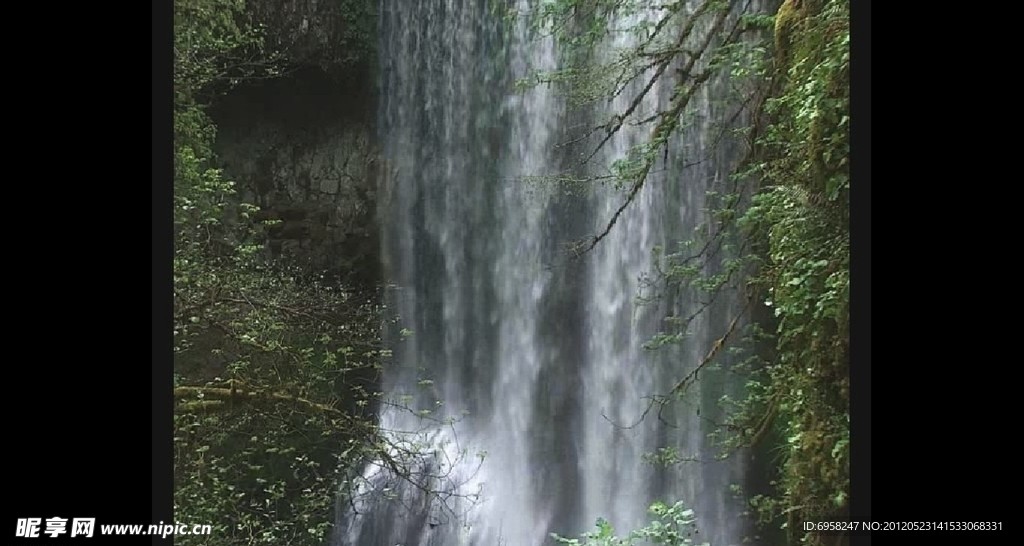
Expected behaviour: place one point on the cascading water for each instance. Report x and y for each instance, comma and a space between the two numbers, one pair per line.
537, 358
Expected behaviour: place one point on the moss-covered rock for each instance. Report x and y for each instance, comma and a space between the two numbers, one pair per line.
786, 19
805, 214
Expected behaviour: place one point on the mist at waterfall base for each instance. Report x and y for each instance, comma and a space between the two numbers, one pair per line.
535, 357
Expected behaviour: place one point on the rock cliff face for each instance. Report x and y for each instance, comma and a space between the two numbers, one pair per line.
336, 36
302, 146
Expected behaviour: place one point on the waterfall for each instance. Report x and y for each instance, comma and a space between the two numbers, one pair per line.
518, 370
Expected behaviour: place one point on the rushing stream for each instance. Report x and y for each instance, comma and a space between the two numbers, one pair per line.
537, 357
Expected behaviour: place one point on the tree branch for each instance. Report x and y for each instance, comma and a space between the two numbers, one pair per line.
208, 398
715, 348
669, 118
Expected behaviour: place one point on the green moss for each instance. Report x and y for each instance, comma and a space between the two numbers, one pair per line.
786, 19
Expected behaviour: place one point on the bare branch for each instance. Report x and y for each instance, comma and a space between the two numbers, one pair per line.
715, 348
669, 118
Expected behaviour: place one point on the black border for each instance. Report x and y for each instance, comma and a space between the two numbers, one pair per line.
76, 368
161, 481
860, 267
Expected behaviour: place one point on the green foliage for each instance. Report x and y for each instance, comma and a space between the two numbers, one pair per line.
214, 50
665, 456
338, 37
679, 46
673, 525
790, 244
359, 39
275, 368
801, 221
777, 236
809, 143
